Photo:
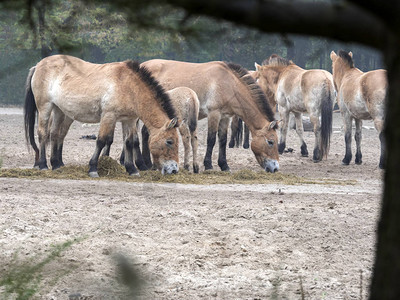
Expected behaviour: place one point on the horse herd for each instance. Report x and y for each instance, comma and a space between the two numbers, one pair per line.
168, 96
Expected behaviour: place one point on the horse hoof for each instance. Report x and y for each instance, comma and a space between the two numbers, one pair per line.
94, 174
135, 174
345, 163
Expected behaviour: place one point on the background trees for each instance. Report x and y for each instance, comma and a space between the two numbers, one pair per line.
98, 32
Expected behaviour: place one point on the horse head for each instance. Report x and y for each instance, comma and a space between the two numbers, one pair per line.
264, 144
163, 144
341, 62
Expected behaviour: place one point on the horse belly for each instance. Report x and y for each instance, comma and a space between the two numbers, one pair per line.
81, 106
358, 107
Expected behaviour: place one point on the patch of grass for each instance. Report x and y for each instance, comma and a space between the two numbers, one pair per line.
22, 279
110, 169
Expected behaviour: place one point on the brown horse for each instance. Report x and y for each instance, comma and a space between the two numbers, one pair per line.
224, 89
298, 91
65, 88
361, 96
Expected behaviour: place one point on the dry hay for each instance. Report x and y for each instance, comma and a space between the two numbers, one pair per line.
110, 169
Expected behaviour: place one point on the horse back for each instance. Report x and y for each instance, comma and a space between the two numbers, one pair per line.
81, 89
211, 81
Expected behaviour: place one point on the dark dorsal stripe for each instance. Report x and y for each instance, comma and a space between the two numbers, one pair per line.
155, 86
276, 60
255, 90
347, 58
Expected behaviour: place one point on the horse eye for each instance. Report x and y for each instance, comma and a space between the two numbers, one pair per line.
169, 143
270, 143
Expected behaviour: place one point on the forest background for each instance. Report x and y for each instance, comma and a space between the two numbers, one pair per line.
99, 34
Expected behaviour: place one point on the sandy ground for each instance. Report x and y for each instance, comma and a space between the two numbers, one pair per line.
190, 242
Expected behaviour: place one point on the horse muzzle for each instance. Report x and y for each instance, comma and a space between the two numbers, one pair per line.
271, 165
169, 167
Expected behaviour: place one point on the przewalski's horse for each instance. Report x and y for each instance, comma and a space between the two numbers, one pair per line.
298, 91
224, 89
66, 88
361, 96
186, 104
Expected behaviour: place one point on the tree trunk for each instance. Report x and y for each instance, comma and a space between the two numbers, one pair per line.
386, 275
44, 48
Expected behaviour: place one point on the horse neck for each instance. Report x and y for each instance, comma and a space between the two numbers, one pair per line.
247, 109
339, 74
153, 116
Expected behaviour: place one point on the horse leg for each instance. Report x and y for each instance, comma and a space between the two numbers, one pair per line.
348, 120
246, 143
184, 131
317, 154
300, 132
195, 146
284, 128
358, 137
105, 137
137, 154
145, 147
379, 125
59, 128
63, 132
56, 121
213, 121
234, 131
43, 133
222, 139
128, 130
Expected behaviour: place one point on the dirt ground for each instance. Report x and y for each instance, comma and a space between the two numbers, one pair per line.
264, 241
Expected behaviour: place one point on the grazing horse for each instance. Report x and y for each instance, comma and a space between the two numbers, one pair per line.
224, 90
186, 104
63, 88
361, 96
298, 91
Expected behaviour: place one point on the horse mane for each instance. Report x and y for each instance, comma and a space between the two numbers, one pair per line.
258, 95
347, 58
276, 60
155, 86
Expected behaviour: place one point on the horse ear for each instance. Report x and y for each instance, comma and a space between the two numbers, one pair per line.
258, 67
351, 54
173, 123
273, 125
333, 55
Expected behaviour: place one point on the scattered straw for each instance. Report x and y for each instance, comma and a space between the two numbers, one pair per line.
110, 169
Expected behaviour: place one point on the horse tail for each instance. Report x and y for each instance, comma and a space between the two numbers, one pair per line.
30, 111
326, 118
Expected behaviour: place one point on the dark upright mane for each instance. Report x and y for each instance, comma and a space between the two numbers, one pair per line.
155, 86
276, 60
347, 58
255, 90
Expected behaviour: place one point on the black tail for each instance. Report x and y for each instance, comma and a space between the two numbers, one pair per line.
326, 119
30, 111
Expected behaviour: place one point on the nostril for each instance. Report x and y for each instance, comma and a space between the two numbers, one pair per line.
174, 171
